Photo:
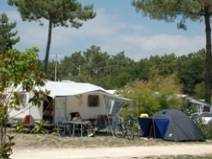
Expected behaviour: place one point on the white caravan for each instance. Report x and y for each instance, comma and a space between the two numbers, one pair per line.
68, 97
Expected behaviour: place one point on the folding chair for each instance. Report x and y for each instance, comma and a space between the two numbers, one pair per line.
61, 129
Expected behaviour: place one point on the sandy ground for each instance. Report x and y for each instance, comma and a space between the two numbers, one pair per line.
128, 152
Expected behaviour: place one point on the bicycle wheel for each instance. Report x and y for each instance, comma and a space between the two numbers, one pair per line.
129, 132
118, 131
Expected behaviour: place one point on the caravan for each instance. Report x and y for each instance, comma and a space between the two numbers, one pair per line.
66, 98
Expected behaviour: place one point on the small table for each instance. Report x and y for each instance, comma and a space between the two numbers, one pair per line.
77, 123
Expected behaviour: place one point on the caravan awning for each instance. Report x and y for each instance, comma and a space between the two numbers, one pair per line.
112, 96
70, 88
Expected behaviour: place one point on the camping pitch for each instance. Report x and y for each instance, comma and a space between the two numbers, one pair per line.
171, 124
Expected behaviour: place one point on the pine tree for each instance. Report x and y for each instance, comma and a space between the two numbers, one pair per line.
57, 12
8, 37
171, 10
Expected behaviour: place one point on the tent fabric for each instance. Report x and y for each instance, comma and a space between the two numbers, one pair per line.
155, 128
171, 124
145, 125
70, 88
181, 127
161, 126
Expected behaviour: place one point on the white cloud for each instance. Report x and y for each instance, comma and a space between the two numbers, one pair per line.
138, 47
110, 33
162, 43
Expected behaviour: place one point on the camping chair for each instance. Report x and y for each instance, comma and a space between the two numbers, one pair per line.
61, 129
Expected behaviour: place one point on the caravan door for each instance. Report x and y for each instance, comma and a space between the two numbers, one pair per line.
60, 114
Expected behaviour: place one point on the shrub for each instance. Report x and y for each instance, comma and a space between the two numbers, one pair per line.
19, 127
206, 129
6, 148
39, 128
153, 95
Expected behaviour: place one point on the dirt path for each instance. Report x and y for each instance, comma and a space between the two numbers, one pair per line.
114, 153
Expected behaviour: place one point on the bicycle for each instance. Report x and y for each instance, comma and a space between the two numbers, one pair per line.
125, 128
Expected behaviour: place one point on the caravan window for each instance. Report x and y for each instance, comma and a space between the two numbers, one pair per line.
93, 100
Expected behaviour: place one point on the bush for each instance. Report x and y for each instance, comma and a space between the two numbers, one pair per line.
206, 129
6, 148
19, 127
39, 128
153, 95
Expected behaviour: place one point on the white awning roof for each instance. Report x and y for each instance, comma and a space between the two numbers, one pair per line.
70, 88
193, 100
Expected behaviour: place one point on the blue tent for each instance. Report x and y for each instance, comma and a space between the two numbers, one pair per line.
170, 124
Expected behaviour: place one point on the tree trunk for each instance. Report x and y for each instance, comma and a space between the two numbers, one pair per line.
48, 48
2, 142
3, 121
208, 59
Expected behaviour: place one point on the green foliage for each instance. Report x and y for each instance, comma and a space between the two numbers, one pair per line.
7, 36
153, 95
171, 9
199, 90
19, 71
57, 12
19, 127
60, 12
187, 108
39, 128
39, 97
6, 148
3, 114
191, 70
113, 72
96, 66
206, 129
165, 64
16, 68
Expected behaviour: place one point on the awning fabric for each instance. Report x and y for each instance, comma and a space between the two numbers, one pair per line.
70, 88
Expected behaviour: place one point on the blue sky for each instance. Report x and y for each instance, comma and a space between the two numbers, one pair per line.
117, 27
